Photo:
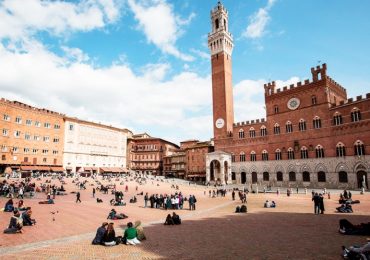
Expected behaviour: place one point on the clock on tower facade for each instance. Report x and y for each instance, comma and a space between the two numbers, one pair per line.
220, 43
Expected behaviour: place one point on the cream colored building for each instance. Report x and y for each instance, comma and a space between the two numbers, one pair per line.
95, 148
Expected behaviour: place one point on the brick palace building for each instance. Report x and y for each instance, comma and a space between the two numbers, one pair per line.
145, 153
189, 162
313, 135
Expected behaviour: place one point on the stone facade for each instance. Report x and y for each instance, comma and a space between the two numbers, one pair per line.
311, 123
95, 148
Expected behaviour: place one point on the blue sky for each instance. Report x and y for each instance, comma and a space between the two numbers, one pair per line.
144, 64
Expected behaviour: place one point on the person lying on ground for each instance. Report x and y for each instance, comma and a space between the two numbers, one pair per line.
114, 215
357, 252
347, 228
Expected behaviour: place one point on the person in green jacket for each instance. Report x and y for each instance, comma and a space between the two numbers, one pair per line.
131, 235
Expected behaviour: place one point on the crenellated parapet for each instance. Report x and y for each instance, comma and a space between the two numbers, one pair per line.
352, 100
251, 122
28, 107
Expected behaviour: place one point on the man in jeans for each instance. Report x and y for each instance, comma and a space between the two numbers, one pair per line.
316, 201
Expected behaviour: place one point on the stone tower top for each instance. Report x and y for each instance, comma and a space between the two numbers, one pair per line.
220, 40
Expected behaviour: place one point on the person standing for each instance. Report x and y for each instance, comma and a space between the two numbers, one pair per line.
322, 208
93, 192
20, 192
233, 195
194, 201
78, 197
316, 201
191, 201
146, 198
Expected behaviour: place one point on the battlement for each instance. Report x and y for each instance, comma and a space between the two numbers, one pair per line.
251, 122
352, 100
25, 106
336, 84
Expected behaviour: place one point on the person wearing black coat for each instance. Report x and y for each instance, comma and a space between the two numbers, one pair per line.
322, 208
100, 232
316, 200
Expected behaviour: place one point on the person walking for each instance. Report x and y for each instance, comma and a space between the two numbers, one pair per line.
316, 201
78, 197
93, 192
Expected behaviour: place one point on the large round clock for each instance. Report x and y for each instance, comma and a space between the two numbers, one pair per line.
293, 103
220, 123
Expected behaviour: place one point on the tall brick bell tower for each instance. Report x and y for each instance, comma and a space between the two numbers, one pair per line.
220, 43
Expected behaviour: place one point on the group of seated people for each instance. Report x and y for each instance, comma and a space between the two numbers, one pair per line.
269, 204
114, 215
20, 219
241, 209
343, 199
172, 220
105, 235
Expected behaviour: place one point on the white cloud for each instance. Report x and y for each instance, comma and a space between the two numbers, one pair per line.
161, 25
258, 22
75, 54
21, 19
202, 54
113, 95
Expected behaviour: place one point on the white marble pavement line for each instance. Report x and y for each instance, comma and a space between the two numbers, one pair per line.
87, 236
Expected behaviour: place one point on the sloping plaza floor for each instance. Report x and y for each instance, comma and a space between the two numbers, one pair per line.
213, 231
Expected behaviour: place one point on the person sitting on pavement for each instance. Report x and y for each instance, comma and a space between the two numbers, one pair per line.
176, 219
26, 216
99, 200
9, 206
140, 231
345, 208
133, 200
110, 236
169, 220
131, 235
15, 225
21, 206
267, 204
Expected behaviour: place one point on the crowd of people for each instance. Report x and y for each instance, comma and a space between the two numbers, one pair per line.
169, 201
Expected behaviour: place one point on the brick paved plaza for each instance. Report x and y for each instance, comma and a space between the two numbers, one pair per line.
213, 231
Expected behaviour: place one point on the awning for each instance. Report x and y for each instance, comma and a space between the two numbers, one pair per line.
69, 168
43, 168
87, 169
112, 169
57, 168
28, 168
196, 175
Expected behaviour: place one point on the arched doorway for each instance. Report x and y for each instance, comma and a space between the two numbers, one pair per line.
215, 169
360, 179
243, 177
254, 177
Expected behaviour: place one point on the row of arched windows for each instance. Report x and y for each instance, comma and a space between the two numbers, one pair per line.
355, 117
359, 150
302, 126
321, 176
